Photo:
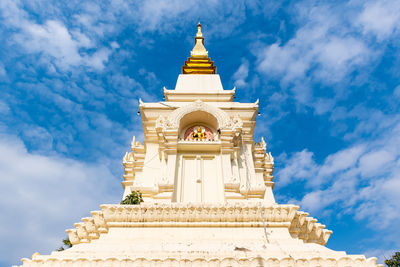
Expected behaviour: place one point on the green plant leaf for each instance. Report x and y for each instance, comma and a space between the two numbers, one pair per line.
134, 198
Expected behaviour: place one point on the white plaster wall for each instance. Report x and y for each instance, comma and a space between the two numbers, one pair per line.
198, 83
212, 240
152, 169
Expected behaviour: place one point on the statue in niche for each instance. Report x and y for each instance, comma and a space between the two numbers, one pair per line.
199, 133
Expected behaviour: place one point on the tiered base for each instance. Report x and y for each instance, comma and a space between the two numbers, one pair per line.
178, 234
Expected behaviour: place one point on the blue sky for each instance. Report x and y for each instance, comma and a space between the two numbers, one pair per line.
327, 75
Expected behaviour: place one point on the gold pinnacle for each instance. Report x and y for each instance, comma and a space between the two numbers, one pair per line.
199, 62
199, 50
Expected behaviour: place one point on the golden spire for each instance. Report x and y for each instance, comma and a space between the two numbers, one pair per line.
199, 62
199, 50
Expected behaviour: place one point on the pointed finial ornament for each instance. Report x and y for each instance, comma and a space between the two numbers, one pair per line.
199, 34
199, 62
199, 50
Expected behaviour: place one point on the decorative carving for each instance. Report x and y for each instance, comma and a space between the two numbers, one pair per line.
163, 123
73, 236
160, 122
91, 227
237, 122
231, 214
250, 212
297, 222
261, 145
263, 162
133, 161
175, 117
195, 259
307, 229
255, 187
82, 232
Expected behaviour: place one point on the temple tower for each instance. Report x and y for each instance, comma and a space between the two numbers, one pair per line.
207, 189
199, 143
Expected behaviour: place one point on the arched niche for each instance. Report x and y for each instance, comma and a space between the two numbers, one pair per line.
200, 118
176, 118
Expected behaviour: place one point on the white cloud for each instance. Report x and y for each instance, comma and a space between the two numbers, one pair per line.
3, 71
381, 254
97, 59
154, 13
371, 121
4, 108
65, 47
381, 202
300, 166
97, 21
219, 17
274, 111
54, 40
376, 161
114, 45
323, 105
338, 55
324, 55
11, 12
363, 180
396, 92
380, 18
321, 43
241, 74
329, 50
44, 195
340, 161
39, 138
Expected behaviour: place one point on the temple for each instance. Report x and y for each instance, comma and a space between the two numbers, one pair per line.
207, 190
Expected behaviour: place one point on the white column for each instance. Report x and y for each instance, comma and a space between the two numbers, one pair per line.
235, 168
171, 173
199, 178
249, 164
227, 168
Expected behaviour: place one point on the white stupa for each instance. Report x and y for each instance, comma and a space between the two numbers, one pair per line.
207, 189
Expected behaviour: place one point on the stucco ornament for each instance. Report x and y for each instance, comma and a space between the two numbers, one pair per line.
235, 124
175, 117
165, 123
223, 119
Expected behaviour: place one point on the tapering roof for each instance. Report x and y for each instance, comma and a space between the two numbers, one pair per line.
199, 62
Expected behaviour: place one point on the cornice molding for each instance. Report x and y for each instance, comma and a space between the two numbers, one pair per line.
198, 259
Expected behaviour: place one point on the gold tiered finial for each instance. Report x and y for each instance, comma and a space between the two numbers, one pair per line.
199, 34
199, 50
199, 62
